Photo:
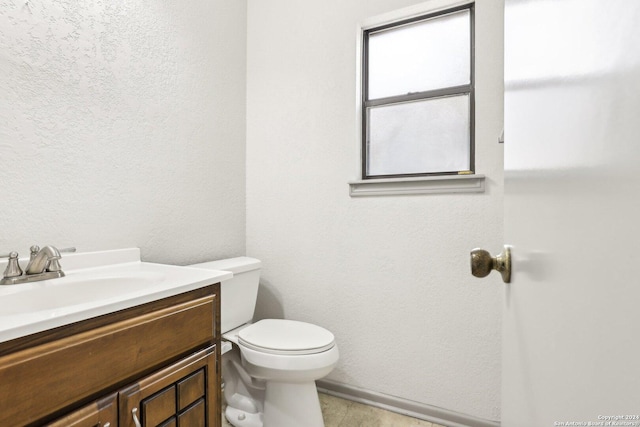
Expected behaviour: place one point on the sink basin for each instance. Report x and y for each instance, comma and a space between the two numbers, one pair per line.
60, 294
96, 283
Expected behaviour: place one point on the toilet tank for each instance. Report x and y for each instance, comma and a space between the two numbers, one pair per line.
238, 294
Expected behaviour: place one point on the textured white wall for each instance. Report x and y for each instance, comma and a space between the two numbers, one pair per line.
122, 123
388, 275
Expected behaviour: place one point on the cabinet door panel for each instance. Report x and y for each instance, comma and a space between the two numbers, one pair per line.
171, 422
156, 393
191, 389
159, 407
194, 416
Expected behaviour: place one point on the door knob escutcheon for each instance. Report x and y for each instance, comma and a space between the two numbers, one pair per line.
482, 263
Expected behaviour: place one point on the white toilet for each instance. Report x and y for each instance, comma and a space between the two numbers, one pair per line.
269, 367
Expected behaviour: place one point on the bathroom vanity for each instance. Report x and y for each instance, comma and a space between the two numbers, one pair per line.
149, 356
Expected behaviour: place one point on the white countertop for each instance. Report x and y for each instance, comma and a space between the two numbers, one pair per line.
96, 283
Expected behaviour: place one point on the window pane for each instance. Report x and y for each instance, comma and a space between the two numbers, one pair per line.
427, 136
426, 55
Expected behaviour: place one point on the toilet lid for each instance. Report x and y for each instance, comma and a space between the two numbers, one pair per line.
279, 336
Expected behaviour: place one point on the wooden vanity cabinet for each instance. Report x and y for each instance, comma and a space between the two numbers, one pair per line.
159, 362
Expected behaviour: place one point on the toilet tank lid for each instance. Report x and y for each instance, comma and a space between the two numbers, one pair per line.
234, 265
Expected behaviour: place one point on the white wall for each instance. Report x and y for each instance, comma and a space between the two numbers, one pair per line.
122, 123
388, 275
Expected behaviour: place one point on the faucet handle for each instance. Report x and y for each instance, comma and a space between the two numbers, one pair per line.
54, 264
34, 251
13, 267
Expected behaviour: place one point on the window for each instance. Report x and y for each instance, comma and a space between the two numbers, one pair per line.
418, 96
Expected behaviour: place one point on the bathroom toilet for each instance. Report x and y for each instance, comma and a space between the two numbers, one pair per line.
269, 367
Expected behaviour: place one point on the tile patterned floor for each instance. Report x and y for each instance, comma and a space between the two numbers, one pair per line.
345, 413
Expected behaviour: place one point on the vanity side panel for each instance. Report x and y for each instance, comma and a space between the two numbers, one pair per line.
214, 385
47, 378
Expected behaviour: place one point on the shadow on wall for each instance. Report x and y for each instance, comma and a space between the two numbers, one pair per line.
269, 303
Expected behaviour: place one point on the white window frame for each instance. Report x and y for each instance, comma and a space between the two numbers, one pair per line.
425, 184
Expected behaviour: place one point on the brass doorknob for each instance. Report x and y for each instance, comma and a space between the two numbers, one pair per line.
482, 263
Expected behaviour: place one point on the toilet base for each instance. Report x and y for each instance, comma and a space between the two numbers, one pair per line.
285, 405
238, 418
292, 405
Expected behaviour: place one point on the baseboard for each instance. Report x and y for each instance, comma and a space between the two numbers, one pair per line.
402, 406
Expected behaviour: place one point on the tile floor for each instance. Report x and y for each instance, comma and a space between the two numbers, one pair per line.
339, 412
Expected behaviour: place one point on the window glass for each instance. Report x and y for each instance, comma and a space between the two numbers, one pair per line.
429, 136
418, 96
422, 56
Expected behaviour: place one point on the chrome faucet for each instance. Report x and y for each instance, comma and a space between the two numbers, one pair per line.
41, 260
43, 265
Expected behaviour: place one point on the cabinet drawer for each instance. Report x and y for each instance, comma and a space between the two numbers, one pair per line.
52, 376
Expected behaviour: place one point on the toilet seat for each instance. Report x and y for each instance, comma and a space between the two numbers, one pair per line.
286, 337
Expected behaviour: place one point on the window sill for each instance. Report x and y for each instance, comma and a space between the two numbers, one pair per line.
444, 184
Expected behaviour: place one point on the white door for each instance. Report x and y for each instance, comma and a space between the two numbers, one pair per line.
571, 343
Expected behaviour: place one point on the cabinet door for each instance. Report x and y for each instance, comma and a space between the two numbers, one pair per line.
185, 394
101, 413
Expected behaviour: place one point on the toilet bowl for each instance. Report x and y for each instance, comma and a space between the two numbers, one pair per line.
270, 368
